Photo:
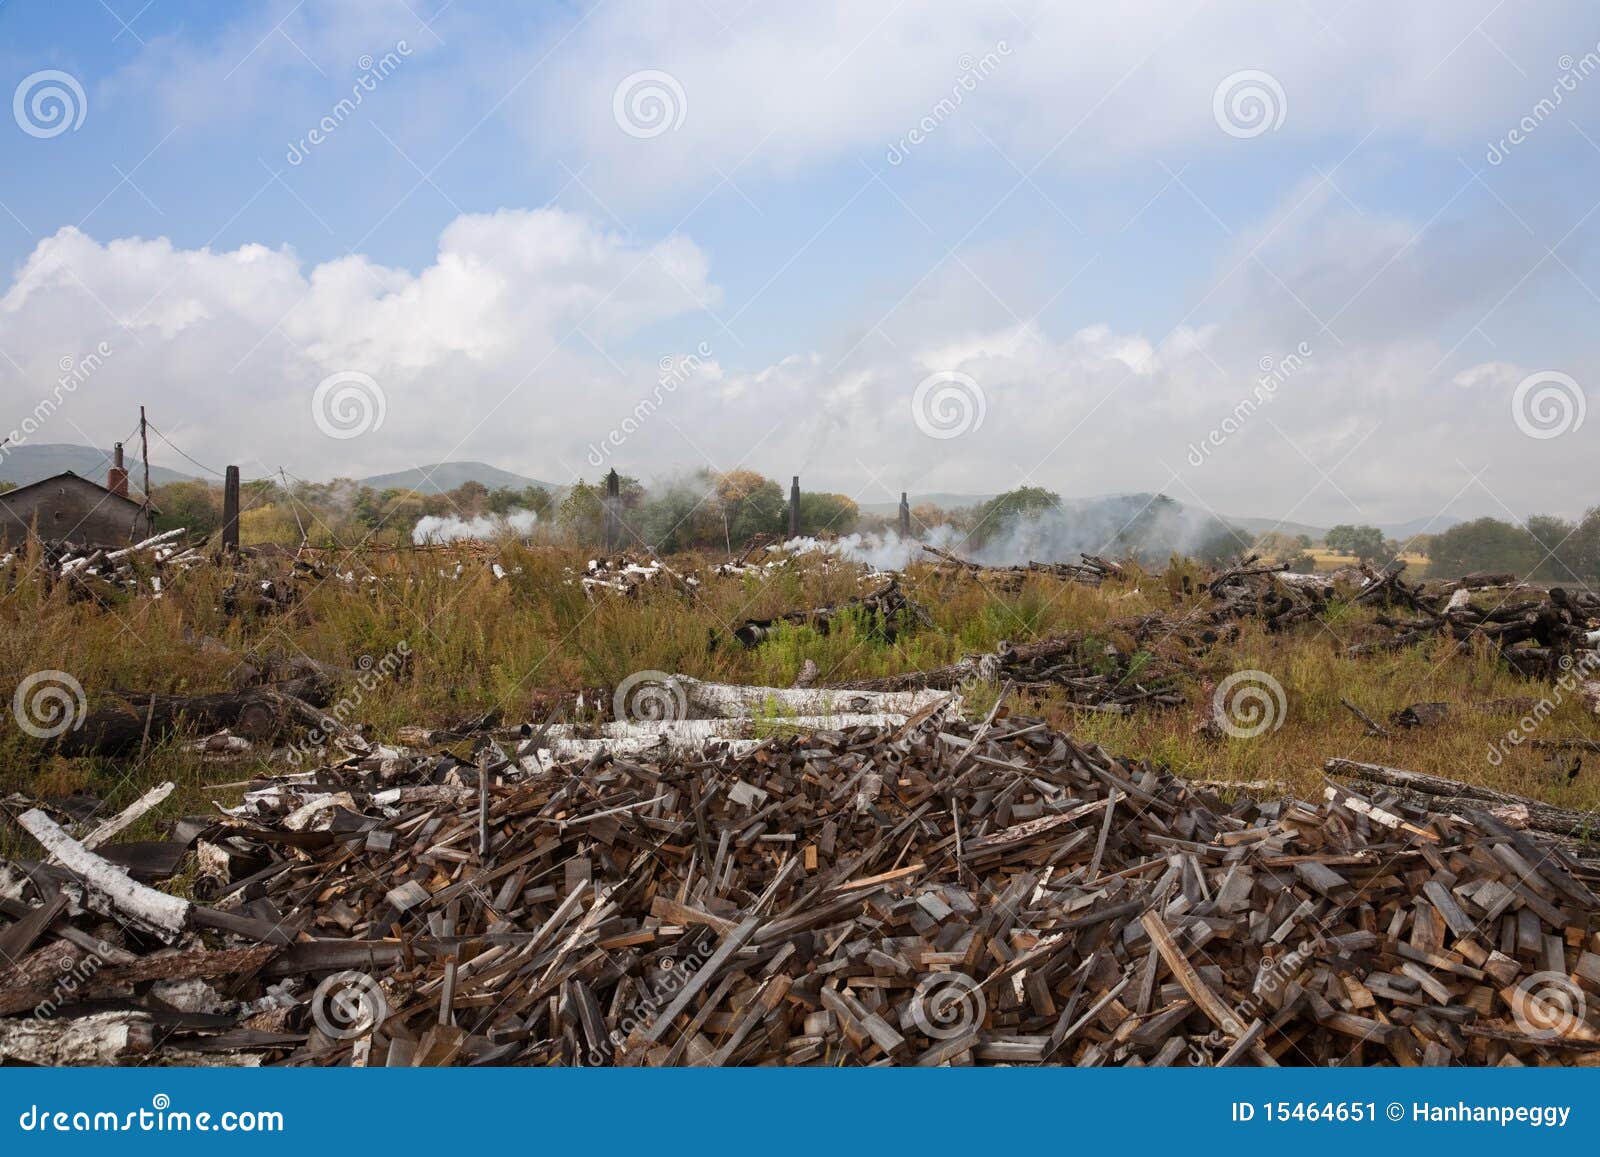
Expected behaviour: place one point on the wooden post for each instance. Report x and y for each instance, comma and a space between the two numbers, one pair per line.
144, 452
794, 507
612, 504
905, 516
230, 511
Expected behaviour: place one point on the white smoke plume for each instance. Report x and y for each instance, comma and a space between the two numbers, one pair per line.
1149, 527
434, 528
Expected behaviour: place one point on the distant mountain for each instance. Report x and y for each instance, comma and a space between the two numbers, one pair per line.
942, 501
1263, 525
1438, 524
443, 476
29, 463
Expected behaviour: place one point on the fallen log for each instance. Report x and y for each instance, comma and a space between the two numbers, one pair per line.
256, 713
1542, 817
167, 915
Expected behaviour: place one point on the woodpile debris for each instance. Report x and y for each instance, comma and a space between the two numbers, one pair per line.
1092, 571
99, 573
887, 611
918, 890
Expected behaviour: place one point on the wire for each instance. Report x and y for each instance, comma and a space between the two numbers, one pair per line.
185, 454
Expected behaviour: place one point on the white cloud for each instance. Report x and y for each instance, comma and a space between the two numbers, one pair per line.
776, 89
530, 337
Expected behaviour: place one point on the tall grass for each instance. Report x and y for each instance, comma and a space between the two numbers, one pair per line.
476, 644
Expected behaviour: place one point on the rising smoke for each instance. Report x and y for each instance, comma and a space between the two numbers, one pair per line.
1148, 527
434, 528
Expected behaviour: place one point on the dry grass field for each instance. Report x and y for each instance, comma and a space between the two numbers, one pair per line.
473, 643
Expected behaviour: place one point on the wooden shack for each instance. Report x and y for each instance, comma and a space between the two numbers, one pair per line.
67, 508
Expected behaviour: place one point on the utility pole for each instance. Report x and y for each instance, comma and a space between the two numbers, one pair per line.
144, 501
144, 452
230, 511
613, 503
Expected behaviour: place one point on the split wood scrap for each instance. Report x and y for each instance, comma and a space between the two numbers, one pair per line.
98, 574
1094, 674
933, 892
1092, 571
888, 610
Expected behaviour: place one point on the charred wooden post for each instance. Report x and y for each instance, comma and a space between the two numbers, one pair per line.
613, 502
794, 507
905, 516
230, 511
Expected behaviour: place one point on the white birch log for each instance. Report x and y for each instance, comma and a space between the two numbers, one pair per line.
101, 1039
149, 907
729, 700
126, 817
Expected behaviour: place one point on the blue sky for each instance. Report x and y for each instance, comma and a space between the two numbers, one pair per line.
1096, 250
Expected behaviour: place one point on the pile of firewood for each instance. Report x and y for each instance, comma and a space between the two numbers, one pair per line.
1092, 571
888, 610
98, 572
916, 890
1089, 673
1537, 632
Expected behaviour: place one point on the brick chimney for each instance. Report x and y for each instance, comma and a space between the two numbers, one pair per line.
117, 476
